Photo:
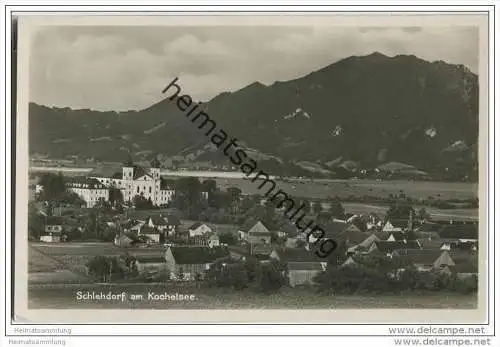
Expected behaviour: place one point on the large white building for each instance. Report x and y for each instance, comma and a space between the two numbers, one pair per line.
133, 180
89, 189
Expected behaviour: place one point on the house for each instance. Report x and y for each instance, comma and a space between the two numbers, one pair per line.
429, 243
353, 227
444, 263
332, 230
190, 262
293, 237
52, 230
261, 250
258, 233
295, 241
152, 234
362, 241
300, 273
150, 265
388, 247
198, 229
401, 236
390, 227
173, 223
158, 222
208, 239
460, 235
125, 240
302, 265
89, 189
422, 259
465, 268
349, 261
133, 226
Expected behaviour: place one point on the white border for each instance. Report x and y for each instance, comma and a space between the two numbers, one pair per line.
230, 329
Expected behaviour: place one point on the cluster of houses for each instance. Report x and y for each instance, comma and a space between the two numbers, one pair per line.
159, 244
162, 243
163, 230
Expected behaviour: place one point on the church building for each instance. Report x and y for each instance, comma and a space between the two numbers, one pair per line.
131, 181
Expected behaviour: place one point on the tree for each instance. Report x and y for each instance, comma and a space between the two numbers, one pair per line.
53, 186
336, 209
210, 186
307, 206
234, 199
247, 203
102, 204
104, 268
180, 274
317, 207
70, 198
188, 196
35, 222
423, 215
399, 214
238, 277
324, 217
141, 203
228, 238
269, 215
221, 200
251, 266
115, 196
94, 227
271, 276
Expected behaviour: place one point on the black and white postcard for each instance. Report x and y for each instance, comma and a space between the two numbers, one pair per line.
317, 168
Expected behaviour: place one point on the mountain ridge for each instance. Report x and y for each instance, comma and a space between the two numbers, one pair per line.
370, 110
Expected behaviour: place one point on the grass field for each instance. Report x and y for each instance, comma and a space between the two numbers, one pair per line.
327, 188
456, 214
66, 297
344, 188
57, 263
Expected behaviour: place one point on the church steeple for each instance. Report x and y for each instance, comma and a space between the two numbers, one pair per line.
129, 162
155, 163
155, 168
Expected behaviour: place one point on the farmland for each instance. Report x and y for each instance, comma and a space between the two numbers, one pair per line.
455, 214
321, 188
345, 188
60, 262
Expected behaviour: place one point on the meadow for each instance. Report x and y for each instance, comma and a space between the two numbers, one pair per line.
346, 188
319, 188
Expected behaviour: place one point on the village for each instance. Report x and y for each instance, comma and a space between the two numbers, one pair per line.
135, 226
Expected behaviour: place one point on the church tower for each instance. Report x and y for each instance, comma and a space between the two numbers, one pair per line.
128, 169
155, 168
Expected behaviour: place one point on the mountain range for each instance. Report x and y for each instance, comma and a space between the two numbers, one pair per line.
360, 112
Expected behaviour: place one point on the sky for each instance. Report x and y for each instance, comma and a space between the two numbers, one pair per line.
126, 68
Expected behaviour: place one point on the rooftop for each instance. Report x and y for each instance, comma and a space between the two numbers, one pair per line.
297, 255
459, 231
297, 266
198, 255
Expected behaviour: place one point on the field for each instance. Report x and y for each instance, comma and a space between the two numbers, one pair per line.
321, 188
455, 214
65, 262
344, 188
66, 297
